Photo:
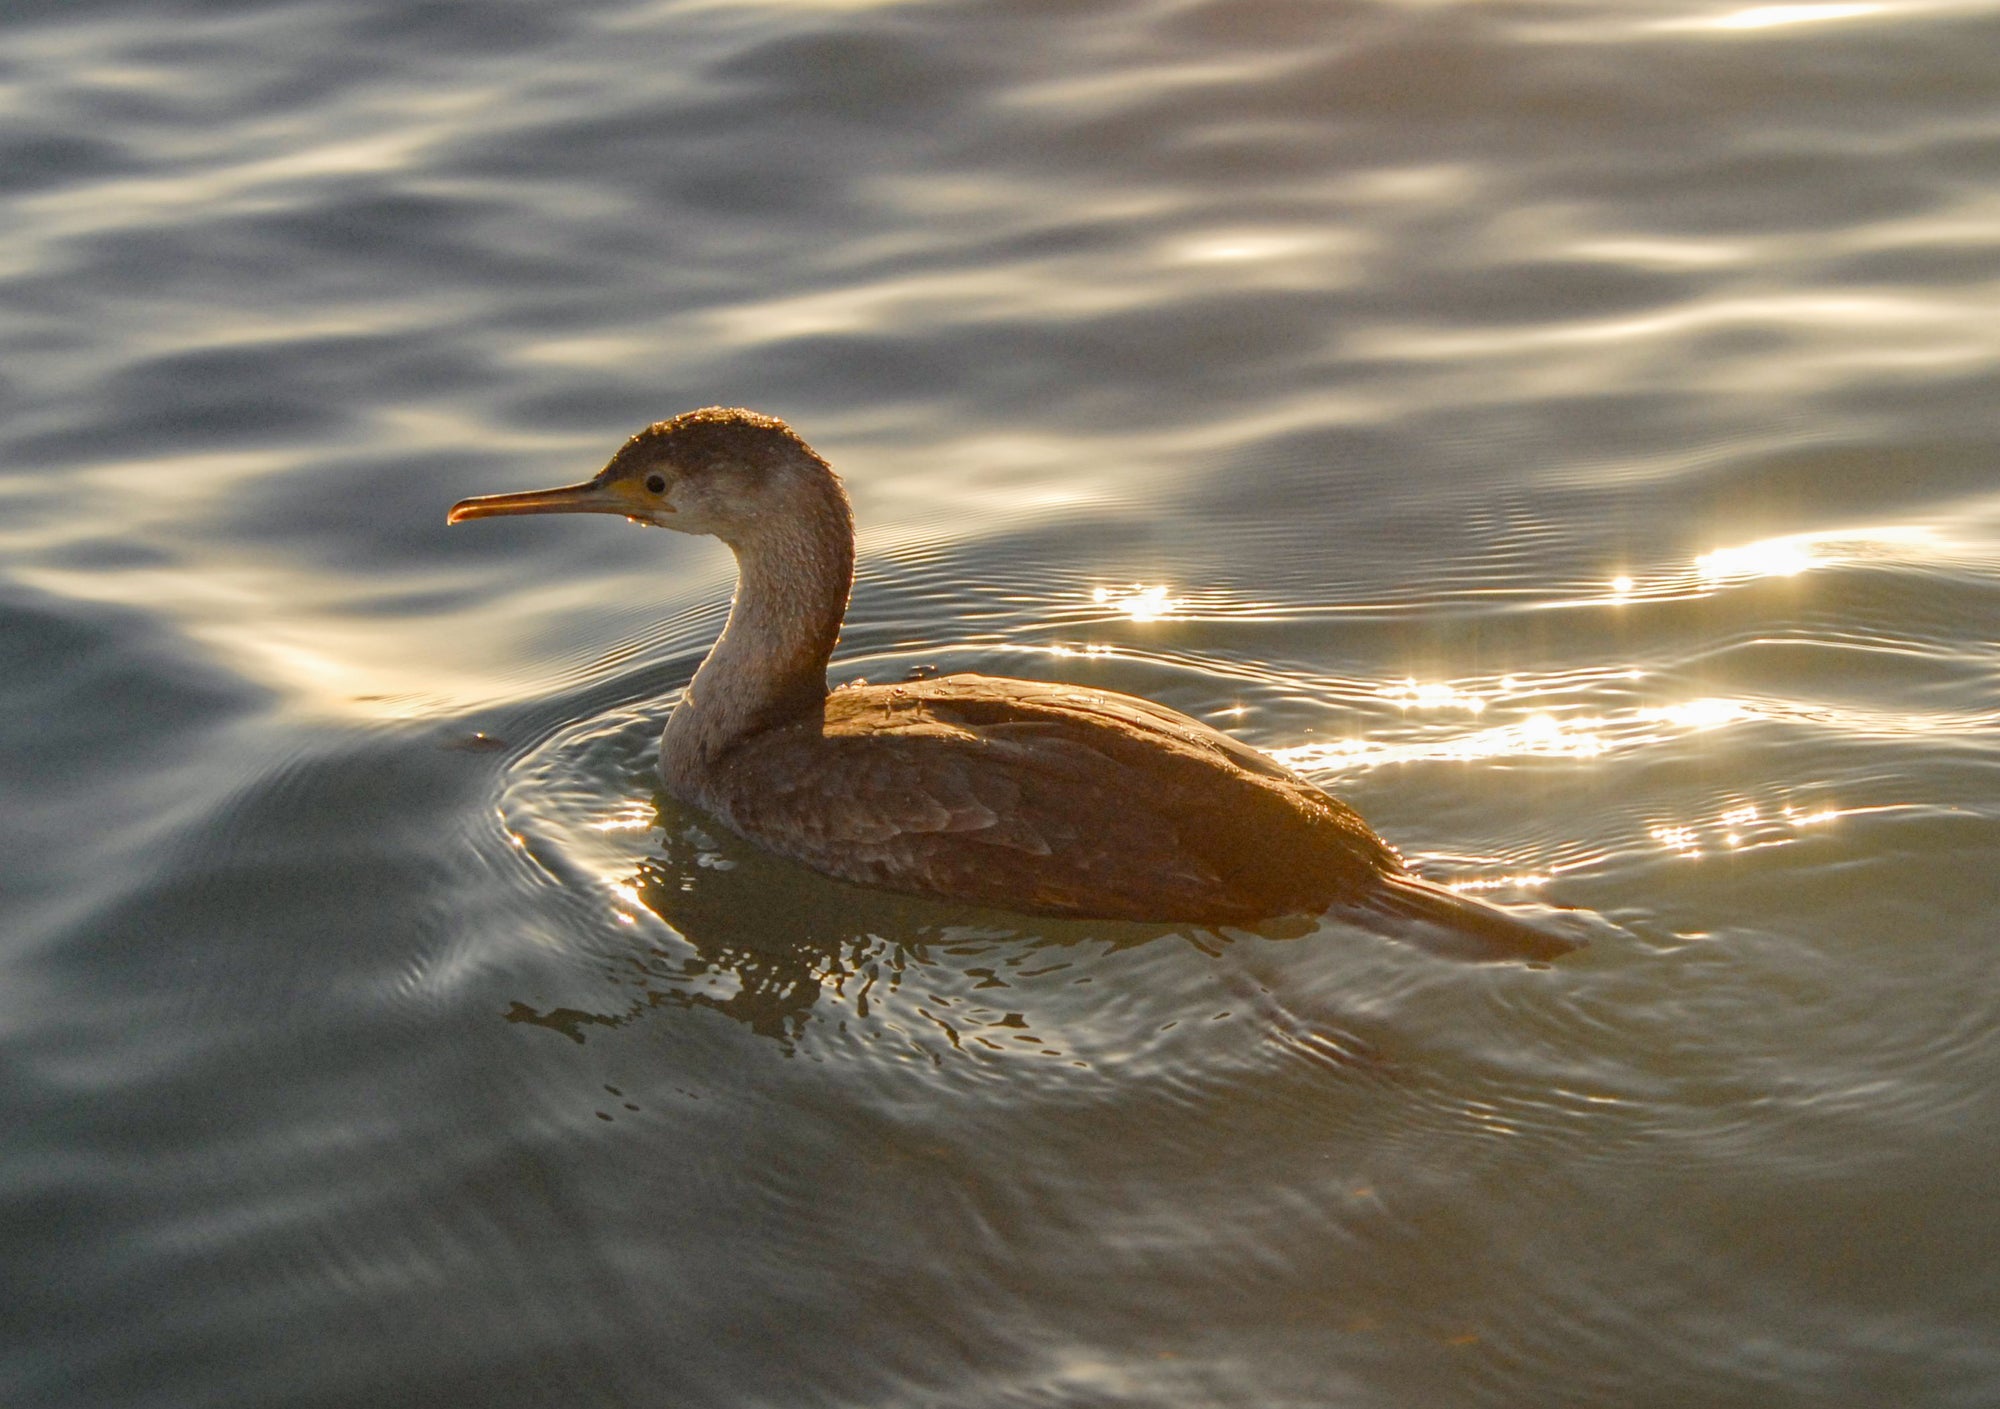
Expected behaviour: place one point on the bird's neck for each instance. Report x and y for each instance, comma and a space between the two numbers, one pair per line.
793, 573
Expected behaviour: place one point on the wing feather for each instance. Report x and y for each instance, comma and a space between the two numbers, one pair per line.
1044, 797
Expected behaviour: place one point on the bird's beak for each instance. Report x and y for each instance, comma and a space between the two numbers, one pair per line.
590, 497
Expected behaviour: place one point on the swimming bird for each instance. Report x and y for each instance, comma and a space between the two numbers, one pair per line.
1026, 796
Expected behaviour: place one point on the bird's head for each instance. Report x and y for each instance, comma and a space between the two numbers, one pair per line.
719, 471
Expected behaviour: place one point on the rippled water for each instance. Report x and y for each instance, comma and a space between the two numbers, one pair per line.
1565, 429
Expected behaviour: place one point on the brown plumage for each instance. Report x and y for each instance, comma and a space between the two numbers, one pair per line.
1034, 797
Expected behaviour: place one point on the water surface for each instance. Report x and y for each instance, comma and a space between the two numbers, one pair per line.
1564, 429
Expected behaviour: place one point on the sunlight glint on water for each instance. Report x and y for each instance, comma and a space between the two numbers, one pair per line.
1566, 433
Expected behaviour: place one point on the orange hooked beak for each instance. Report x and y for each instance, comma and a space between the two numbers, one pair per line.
590, 497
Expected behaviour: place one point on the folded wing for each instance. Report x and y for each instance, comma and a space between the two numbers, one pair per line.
1050, 798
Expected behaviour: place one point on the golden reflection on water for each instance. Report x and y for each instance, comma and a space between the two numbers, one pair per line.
1411, 695
1794, 553
1253, 244
1545, 733
634, 816
1525, 880
1776, 16
1743, 827
1139, 602
1787, 555
1777, 558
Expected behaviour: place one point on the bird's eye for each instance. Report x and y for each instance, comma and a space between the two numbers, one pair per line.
656, 484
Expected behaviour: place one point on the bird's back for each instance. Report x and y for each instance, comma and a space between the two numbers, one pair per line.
1049, 798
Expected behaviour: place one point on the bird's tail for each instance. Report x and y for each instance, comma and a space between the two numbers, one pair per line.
1473, 928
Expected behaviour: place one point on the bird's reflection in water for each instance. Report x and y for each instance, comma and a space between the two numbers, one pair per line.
765, 941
